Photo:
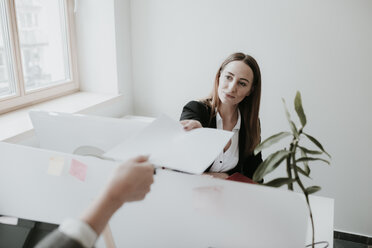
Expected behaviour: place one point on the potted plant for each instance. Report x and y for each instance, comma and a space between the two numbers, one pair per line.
296, 156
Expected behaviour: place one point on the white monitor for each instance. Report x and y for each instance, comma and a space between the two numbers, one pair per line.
66, 132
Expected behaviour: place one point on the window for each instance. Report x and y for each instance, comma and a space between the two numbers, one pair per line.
36, 51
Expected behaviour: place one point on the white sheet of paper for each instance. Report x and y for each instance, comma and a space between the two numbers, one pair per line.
170, 146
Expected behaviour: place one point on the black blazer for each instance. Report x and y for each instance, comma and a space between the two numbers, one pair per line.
201, 112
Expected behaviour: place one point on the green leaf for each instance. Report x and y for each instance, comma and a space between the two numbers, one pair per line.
271, 140
303, 149
269, 164
291, 123
312, 189
311, 159
307, 169
303, 153
286, 110
317, 143
303, 172
280, 182
294, 129
299, 109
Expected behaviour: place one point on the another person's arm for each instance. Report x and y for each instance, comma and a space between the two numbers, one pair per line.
130, 182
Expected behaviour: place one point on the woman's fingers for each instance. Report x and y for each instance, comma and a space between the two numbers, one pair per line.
190, 124
217, 174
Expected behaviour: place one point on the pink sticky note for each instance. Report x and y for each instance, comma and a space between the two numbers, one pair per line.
78, 170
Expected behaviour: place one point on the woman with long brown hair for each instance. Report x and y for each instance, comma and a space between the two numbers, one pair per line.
233, 105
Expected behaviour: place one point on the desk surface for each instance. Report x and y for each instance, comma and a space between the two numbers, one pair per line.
180, 211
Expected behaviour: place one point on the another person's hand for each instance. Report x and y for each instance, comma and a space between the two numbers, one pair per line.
190, 124
131, 181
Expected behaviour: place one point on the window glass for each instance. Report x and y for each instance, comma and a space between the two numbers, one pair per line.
7, 84
43, 42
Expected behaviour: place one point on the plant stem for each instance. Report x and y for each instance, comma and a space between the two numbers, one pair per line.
312, 220
289, 172
298, 180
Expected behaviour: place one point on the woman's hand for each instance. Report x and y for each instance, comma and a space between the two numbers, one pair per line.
190, 124
220, 175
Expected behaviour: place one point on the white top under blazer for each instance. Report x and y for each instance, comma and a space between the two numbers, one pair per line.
229, 159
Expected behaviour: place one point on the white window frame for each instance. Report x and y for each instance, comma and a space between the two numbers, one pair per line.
22, 98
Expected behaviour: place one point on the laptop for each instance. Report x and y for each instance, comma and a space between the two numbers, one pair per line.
66, 132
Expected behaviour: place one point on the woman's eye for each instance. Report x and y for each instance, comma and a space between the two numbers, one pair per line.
228, 77
243, 84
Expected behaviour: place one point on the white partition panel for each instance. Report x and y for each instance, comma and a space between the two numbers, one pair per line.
181, 210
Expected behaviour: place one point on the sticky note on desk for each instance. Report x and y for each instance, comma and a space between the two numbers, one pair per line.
56, 165
78, 170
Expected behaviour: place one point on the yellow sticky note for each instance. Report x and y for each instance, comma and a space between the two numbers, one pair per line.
56, 165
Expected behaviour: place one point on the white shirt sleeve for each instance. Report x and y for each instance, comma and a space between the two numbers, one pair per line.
79, 231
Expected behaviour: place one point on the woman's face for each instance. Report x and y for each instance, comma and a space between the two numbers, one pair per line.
235, 83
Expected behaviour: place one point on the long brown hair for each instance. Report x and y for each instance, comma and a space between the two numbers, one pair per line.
249, 106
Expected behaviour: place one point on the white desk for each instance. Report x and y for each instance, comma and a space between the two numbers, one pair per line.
180, 211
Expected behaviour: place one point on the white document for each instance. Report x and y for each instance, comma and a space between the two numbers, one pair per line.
170, 146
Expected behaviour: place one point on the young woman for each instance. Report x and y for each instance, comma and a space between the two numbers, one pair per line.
233, 105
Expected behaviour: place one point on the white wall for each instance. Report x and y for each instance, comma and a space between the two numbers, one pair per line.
96, 46
124, 50
322, 48
104, 49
